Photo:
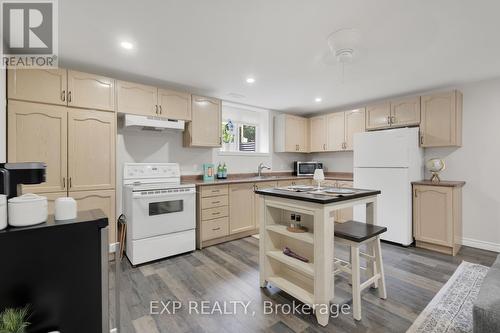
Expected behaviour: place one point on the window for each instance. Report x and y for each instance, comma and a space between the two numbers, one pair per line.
245, 129
239, 137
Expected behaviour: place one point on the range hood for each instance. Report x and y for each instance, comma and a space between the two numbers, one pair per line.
152, 123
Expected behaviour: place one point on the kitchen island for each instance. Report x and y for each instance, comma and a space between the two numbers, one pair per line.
310, 282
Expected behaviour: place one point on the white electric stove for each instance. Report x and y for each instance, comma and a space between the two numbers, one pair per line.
160, 212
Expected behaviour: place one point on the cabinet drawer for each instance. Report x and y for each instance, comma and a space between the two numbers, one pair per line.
211, 202
215, 228
213, 213
211, 191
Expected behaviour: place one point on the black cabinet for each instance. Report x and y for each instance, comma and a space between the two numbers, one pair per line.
60, 269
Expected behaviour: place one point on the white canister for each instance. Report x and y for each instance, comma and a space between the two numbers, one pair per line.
28, 209
65, 208
3, 211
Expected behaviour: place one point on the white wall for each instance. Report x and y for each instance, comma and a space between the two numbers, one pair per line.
149, 146
3, 115
478, 163
341, 161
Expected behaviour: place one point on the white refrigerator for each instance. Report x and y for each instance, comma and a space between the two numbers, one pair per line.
389, 161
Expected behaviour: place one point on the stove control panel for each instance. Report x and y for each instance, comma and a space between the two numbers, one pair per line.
151, 170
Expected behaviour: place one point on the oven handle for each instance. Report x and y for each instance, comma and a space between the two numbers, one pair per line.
137, 195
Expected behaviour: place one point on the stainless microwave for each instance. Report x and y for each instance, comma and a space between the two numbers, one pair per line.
306, 168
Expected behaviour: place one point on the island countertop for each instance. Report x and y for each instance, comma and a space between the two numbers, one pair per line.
317, 198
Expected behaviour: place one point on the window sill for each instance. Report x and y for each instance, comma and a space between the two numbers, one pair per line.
241, 153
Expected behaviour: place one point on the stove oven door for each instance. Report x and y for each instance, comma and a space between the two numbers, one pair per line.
156, 213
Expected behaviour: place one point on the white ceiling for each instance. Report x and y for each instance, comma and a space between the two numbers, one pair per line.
211, 46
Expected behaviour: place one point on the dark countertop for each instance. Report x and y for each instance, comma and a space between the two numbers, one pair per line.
445, 183
316, 198
95, 216
268, 177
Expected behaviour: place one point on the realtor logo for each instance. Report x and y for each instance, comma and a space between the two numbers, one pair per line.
29, 34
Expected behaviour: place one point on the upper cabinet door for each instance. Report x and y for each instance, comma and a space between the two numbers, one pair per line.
38, 85
318, 133
38, 133
90, 91
354, 123
91, 150
295, 134
441, 123
174, 104
378, 116
336, 131
405, 112
136, 98
206, 126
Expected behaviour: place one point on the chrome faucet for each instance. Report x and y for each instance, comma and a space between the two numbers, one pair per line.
262, 166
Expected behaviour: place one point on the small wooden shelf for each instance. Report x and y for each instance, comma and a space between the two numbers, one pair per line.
292, 289
306, 268
307, 237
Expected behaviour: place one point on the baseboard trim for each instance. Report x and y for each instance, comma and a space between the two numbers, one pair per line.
483, 245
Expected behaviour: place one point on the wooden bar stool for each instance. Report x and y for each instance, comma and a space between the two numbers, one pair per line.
354, 234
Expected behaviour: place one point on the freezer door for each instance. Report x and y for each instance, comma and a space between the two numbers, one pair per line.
394, 204
385, 149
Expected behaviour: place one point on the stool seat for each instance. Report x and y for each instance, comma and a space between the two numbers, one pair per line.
357, 231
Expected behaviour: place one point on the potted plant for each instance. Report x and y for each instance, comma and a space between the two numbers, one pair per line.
228, 135
14, 320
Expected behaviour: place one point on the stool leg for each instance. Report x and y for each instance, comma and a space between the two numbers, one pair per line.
382, 293
356, 292
372, 265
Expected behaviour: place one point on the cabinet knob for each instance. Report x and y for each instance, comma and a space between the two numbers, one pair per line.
160, 109
69, 96
63, 95
388, 120
156, 109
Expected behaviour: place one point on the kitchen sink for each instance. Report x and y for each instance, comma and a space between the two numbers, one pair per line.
265, 177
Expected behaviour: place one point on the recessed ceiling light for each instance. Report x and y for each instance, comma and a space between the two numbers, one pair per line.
318, 99
250, 80
127, 45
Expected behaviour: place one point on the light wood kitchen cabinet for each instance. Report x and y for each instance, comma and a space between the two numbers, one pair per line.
378, 116
38, 85
318, 134
335, 131
38, 132
91, 150
354, 123
260, 186
174, 104
344, 214
90, 91
405, 112
104, 200
212, 217
205, 127
441, 124
241, 207
136, 98
291, 134
437, 216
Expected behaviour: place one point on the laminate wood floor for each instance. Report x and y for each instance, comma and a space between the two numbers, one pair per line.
230, 272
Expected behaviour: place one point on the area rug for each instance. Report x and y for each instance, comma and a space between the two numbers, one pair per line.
450, 310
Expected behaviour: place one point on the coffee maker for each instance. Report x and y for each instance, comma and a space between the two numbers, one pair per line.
14, 174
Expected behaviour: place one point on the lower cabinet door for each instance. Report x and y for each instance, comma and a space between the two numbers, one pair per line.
433, 214
104, 200
241, 208
261, 186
